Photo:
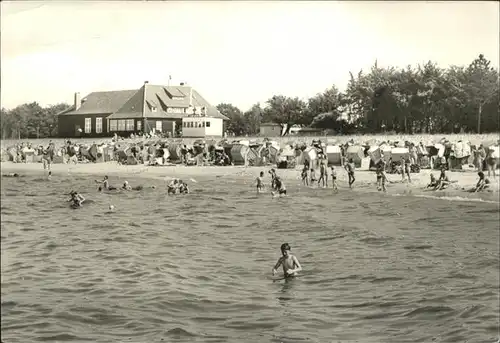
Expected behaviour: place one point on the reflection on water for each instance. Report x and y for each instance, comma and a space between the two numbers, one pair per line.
377, 268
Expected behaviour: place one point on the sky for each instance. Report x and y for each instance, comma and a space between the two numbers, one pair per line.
234, 52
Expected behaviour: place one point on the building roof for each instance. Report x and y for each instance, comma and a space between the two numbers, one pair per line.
269, 124
103, 102
150, 101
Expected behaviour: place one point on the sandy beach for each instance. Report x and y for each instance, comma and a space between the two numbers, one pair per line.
464, 179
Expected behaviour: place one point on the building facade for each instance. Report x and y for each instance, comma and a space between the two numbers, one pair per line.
270, 130
150, 109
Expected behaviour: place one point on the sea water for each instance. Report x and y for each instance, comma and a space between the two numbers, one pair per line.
197, 268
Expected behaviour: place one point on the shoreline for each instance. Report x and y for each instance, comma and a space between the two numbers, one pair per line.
365, 180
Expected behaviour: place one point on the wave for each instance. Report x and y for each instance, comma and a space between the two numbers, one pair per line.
448, 198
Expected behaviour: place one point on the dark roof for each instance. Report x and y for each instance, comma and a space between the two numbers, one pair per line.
150, 101
104, 102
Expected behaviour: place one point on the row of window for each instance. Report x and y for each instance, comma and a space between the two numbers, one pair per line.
195, 124
88, 125
129, 125
123, 125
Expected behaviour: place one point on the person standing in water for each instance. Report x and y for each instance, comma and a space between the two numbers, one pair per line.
279, 186
260, 182
334, 178
323, 175
290, 263
76, 198
105, 184
305, 175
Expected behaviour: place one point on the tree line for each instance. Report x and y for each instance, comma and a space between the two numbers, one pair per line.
422, 99
30, 121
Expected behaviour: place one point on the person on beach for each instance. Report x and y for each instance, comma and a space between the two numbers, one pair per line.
279, 187
334, 178
482, 184
480, 155
433, 182
323, 175
305, 176
349, 167
405, 168
76, 198
48, 157
444, 181
260, 182
312, 175
105, 184
290, 263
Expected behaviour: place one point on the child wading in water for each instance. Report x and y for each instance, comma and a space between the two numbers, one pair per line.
350, 172
260, 182
290, 264
334, 179
304, 175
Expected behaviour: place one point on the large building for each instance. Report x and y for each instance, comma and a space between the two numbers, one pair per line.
165, 109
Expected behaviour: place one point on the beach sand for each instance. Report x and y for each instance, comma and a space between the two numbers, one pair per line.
465, 179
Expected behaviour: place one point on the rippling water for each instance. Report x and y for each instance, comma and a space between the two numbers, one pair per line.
377, 268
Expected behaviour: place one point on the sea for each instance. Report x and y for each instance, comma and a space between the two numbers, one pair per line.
377, 267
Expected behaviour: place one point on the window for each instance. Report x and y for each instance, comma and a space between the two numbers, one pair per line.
202, 124
113, 125
158, 125
129, 125
207, 124
98, 125
121, 125
139, 125
88, 125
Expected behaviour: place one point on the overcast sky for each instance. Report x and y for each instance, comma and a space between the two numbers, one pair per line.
236, 52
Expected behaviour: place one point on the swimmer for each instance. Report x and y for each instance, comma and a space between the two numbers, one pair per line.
76, 198
126, 186
290, 264
11, 175
183, 187
260, 182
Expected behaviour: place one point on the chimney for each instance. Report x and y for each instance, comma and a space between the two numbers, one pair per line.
146, 82
78, 101
182, 83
